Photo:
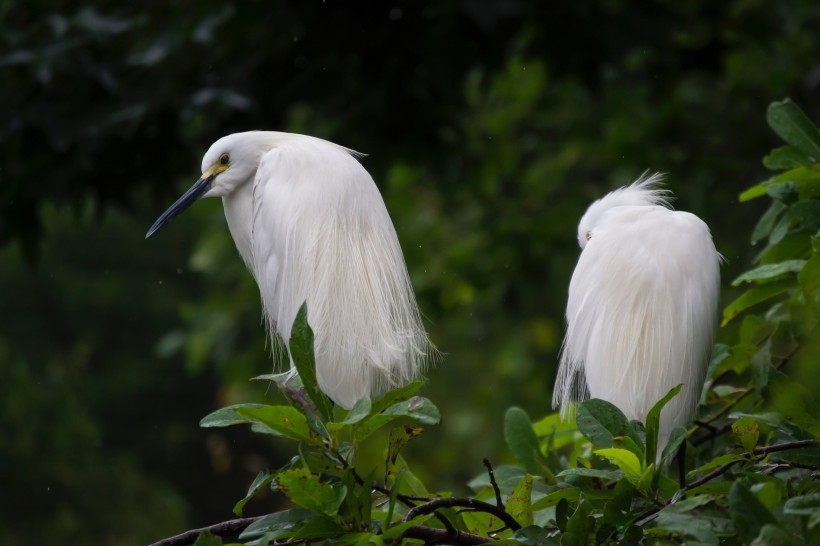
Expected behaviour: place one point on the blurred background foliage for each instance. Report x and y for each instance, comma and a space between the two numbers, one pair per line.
489, 127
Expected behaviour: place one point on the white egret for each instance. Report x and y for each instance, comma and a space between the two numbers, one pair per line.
311, 225
642, 307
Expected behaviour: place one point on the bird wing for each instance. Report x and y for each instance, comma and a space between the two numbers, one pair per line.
641, 312
321, 233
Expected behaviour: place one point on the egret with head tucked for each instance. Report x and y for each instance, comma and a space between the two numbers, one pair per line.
642, 307
311, 226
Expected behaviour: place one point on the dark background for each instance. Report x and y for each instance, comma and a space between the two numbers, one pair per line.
489, 127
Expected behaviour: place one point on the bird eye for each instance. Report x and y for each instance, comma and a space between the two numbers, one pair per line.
224, 159
589, 235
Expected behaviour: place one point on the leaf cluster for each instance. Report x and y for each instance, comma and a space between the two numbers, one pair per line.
748, 474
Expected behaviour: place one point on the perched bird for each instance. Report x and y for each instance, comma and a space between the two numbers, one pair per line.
311, 226
642, 307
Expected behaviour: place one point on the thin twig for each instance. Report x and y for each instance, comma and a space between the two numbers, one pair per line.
477, 505
762, 450
231, 528
717, 431
489, 467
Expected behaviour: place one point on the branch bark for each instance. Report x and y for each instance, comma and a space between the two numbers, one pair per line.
473, 504
231, 528
431, 535
762, 450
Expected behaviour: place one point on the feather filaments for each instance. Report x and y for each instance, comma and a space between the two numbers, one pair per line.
642, 307
312, 227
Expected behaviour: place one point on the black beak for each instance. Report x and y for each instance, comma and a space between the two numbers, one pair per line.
195, 192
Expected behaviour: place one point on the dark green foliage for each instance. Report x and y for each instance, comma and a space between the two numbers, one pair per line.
489, 127
753, 477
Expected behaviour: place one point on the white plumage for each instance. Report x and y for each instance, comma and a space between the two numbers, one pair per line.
310, 224
642, 307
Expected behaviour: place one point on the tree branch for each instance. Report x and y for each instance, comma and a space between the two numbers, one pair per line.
431, 535
762, 450
474, 504
493, 483
717, 431
231, 528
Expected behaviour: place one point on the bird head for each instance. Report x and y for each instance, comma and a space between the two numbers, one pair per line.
645, 191
230, 162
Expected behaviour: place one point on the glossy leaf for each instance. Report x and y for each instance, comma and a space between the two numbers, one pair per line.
262, 480
747, 512
305, 490
227, 416
521, 440
792, 125
766, 223
301, 352
747, 432
285, 420
786, 157
754, 296
653, 424
770, 272
624, 459
796, 404
600, 422
552, 499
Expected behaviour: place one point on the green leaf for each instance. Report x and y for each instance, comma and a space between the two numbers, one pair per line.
285, 420
533, 535
277, 524
521, 440
301, 353
262, 480
747, 512
562, 514
747, 432
600, 422
758, 190
590, 473
317, 527
756, 295
772, 535
809, 279
784, 189
551, 499
804, 505
761, 366
305, 490
481, 523
579, 523
685, 518
794, 402
716, 462
770, 272
396, 395
766, 223
624, 459
653, 424
807, 214
359, 411
416, 408
205, 538
676, 439
792, 125
519, 505
228, 416
786, 157
410, 484
399, 436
